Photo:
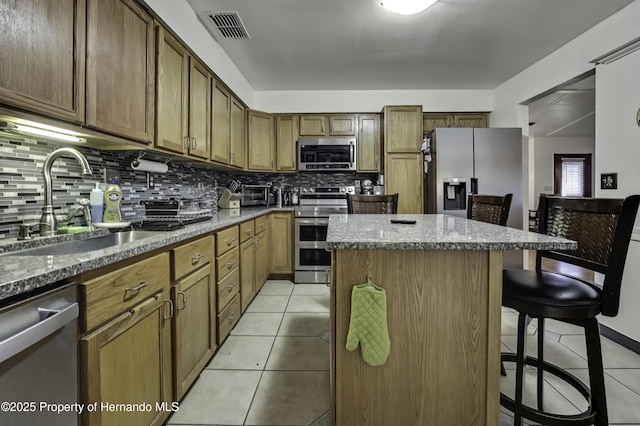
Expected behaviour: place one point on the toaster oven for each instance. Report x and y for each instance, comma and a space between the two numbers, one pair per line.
254, 195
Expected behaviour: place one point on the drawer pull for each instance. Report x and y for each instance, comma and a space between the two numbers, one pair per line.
231, 286
196, 258
170, 310
230, 241
230, 264
139, 287
248, 231
232, 317
184, 301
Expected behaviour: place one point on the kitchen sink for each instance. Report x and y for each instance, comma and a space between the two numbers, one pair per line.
87, 244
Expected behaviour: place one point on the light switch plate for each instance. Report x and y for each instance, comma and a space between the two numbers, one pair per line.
111, 175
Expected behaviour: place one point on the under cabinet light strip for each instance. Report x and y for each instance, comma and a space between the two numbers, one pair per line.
617, 53
35, 131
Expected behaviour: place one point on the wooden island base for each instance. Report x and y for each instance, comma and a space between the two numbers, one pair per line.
443, 311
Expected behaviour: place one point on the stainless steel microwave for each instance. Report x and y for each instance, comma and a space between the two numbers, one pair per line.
255, 195
326, 154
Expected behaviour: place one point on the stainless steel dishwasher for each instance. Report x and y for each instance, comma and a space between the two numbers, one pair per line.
38, 360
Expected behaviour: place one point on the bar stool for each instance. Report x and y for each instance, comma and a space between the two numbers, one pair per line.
372, 204
489, 208
602, 228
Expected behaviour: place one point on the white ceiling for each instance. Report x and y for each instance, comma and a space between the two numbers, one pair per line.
355, 44
569, 111
454, 44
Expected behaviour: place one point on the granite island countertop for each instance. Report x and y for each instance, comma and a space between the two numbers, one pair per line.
432, 232
21, 274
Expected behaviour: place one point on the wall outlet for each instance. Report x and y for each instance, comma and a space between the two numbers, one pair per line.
111, 175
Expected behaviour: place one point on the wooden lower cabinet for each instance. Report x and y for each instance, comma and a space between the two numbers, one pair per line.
262, 259
404, 175
281, 243
128, 361
194, 327
247, 272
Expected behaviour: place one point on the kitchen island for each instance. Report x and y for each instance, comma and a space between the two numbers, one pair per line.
443, 282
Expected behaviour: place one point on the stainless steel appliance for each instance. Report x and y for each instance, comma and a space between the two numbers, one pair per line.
312, 260
325, 154
483, 161
255, 195
38, 360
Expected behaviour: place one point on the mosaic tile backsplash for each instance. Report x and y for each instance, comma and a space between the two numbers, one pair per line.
21, 182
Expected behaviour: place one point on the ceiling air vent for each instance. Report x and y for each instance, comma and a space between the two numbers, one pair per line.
229, 24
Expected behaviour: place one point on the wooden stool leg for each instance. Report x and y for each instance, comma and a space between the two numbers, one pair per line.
540, 386
523, 320
596, 371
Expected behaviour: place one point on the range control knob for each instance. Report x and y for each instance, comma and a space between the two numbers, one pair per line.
343, 189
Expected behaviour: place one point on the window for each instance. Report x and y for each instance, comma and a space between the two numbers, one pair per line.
572, 175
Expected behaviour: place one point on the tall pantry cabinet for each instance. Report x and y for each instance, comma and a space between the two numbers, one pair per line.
403, 159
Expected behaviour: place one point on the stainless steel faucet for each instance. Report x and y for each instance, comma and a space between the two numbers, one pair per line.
48, 221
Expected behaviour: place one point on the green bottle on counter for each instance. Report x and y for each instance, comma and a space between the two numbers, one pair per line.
112, 198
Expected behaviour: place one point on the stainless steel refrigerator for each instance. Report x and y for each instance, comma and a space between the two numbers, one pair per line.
481, 161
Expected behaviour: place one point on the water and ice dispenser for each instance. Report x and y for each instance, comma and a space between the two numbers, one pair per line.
455, 191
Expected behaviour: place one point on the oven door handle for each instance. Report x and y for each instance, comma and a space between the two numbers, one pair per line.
29, 334
313, 221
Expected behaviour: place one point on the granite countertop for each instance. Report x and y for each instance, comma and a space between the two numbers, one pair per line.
432, 232
20, 274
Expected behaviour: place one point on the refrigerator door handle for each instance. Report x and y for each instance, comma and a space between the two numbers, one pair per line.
474, 186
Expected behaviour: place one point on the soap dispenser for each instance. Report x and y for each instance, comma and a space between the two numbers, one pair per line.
96, 198
112, 198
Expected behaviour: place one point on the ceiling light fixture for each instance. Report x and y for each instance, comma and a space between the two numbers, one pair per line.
57, 134
406, 7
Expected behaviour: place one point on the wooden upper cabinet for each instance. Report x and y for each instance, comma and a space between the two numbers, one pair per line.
237, 134
183, 99
199, 109
471, 120
221, 120
431, 120
260, 140
402, 128
43, 56
342, 125
368, 143
286, 138
120, 69
313, 125
172, 94
338, 125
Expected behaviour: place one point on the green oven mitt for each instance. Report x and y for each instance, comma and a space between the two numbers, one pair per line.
368, 323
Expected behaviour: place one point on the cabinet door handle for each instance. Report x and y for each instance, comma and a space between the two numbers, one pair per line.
194, 143
230, 241
196, 258
186, 142
170, 302
139, 287
184, 301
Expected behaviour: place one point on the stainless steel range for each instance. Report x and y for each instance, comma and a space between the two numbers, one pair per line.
312, 260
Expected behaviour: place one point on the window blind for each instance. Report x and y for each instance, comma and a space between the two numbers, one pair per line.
572, 177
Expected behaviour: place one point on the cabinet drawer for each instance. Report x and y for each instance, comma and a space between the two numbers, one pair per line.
189, 257
246, 231
226, 240
261, 224
228, 287
228, 318
227, 263
117, 291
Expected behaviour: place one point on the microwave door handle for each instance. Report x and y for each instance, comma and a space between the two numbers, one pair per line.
351, 155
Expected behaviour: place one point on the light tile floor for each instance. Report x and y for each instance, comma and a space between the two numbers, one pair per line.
274, 367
